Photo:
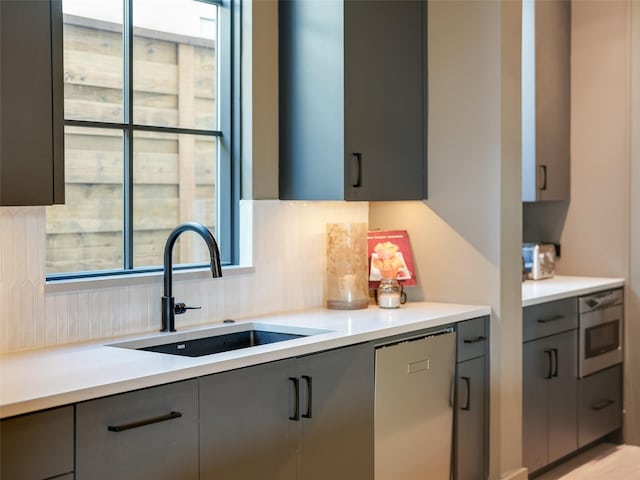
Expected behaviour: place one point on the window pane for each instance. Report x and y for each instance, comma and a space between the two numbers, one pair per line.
85, 233
174, 182
93, 65
174, 63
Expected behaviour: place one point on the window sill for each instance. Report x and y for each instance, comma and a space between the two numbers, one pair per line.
129, 280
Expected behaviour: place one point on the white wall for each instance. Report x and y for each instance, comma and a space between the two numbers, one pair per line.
600, 234
595, 237
466, 237
632, 301
288, 254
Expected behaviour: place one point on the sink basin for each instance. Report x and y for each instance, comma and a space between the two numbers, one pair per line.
219, 339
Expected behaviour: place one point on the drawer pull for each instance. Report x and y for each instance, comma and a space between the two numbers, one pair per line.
476, 340
309, 413
602, 405
549, 354
467, 382
142, 423
296, 392
555, 318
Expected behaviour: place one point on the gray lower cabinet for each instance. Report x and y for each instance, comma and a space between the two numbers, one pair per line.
245, 431
599, 404
146, 434
550, 392
37, 446
290, 419
31, 103
336, 424
471, 430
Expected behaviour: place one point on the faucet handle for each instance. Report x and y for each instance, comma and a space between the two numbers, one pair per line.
182, 308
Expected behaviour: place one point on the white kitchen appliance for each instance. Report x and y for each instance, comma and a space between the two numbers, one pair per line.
414, 408
539, 260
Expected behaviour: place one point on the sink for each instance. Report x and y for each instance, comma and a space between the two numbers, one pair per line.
219, 339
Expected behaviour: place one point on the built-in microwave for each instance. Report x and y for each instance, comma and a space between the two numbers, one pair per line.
600, 343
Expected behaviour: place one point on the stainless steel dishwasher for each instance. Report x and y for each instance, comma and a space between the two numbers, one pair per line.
414, 408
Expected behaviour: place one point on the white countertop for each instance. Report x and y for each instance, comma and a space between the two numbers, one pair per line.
559, 287
40, 379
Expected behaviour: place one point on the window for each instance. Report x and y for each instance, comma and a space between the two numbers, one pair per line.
148, 99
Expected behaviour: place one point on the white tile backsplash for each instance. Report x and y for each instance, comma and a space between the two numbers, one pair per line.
285, 241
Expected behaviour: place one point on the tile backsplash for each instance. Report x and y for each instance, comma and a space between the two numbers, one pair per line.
285, 241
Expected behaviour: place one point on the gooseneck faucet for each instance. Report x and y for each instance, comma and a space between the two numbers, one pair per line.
169, 308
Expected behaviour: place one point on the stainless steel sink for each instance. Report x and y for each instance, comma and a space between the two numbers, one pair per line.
219, 339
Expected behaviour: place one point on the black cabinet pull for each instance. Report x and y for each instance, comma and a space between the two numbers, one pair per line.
555, 356
309, 413
142, 423
555, 318
296, 389
476, 340
356, 170
549, 374
603, 404
467, 405
543, 172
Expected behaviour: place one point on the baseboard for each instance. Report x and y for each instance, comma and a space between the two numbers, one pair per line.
519, 474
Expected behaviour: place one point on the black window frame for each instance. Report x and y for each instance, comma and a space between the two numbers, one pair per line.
228, 143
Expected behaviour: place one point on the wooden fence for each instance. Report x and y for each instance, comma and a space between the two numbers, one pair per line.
173, 174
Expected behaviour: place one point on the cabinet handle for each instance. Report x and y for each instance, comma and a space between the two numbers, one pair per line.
555, 356
309, 413
467, 382
543, 173
602, 404
549, 374
296, 390
142, 423
356, 170
555, 318
476, 340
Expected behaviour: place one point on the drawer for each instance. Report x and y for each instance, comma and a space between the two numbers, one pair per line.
549, 318
146, 434
38, 445
473, 338
599, 404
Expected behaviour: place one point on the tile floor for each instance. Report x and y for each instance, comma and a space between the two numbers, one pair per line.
603, 462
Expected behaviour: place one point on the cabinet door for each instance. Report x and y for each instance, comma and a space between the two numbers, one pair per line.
553, 30
337, 397
38, 445
600, 404
550, 419
245, 431
563, 396
471, 432
385, 94
147, 434
31, 102
536, 370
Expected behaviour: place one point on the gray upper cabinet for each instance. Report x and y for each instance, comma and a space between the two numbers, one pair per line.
31, 103
353, 100
38, 445
546, 30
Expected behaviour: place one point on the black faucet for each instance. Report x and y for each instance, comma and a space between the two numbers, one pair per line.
169, 307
